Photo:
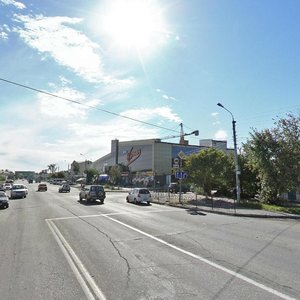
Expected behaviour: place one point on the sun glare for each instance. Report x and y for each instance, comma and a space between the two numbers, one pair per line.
135, 23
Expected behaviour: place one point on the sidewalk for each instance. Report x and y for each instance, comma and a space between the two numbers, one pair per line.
220, 206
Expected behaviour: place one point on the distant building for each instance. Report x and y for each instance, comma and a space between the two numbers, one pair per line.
150, 162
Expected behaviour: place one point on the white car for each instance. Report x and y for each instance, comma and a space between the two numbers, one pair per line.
139, 195
7, 186
18, 191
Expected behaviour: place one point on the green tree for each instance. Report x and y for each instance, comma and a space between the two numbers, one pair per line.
275, 155
249, 178
52, 168
210, 169
76, 167
115, 174
90, 175
61, 174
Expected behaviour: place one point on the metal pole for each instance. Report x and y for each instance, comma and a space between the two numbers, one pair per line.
237, 168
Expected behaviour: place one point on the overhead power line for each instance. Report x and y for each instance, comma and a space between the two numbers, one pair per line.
83, 104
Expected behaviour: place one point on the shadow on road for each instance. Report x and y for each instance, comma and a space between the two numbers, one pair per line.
90, 203
195, 211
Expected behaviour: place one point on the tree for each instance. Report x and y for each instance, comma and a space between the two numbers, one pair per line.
115, 173
249, 178
275, 155
76, 167
90, 175
52, 168
210, 169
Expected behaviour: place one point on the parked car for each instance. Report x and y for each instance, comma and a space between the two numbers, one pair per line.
4, 201
175, 188
42, 187
7, 186
139, 195
18, 191
64, 188
92, 193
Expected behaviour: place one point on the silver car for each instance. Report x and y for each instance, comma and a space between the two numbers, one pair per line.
4, 202
18, 191
139, 195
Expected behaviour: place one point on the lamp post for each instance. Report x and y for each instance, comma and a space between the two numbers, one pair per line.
237, 168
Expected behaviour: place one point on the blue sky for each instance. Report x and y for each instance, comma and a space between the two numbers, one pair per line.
161, 62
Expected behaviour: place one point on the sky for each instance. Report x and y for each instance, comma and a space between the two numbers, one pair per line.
75, 75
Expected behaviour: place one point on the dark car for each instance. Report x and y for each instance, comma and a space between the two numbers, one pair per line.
174, 187
42, 187
4, 201
92, 193
64, 188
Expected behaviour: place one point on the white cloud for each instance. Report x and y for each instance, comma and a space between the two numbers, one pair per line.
214, 114
16, 4
62, 108
221, 135
3, 35
67, 46
145, 114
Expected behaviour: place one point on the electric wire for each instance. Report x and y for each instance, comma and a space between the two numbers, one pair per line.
86, 105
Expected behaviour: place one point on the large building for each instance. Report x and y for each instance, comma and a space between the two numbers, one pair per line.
150, 162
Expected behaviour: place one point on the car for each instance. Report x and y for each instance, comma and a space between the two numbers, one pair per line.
139, 195
4, 201
7, 186
64, 188
92, 193
174, 187
18, 191
42, 187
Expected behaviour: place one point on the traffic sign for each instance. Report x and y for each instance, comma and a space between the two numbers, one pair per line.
181, 175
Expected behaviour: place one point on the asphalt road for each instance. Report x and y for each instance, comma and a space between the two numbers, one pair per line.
53, 247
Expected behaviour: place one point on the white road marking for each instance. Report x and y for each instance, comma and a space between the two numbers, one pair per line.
111, 214
76, 265
202, 259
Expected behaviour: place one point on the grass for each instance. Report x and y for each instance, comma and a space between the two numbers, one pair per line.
291, 209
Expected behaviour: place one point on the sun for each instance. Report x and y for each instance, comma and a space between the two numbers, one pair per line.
134, 23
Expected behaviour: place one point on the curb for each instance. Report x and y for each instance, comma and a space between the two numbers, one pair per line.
234, 214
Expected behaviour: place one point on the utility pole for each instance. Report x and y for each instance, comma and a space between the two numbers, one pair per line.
237, 168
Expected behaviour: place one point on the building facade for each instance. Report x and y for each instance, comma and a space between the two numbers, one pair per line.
149, 162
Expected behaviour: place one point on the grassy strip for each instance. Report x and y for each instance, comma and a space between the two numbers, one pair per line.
293, 209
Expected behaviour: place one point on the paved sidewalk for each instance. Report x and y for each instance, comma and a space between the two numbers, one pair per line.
220, 206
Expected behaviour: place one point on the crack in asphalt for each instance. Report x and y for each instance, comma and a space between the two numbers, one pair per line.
110, 240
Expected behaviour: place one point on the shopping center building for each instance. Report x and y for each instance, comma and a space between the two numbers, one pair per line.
150, 162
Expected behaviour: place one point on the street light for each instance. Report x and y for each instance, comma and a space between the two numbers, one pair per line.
237, 168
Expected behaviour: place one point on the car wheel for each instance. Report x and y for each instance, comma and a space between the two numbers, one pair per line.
127, 199
148, 203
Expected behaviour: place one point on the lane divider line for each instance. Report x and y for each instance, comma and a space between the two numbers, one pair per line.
204, 260
81, 273
111, 214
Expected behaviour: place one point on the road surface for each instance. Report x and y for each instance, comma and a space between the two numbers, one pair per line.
54, 247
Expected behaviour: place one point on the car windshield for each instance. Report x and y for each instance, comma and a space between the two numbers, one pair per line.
2, 194
144, 191
96, 188
17, 187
